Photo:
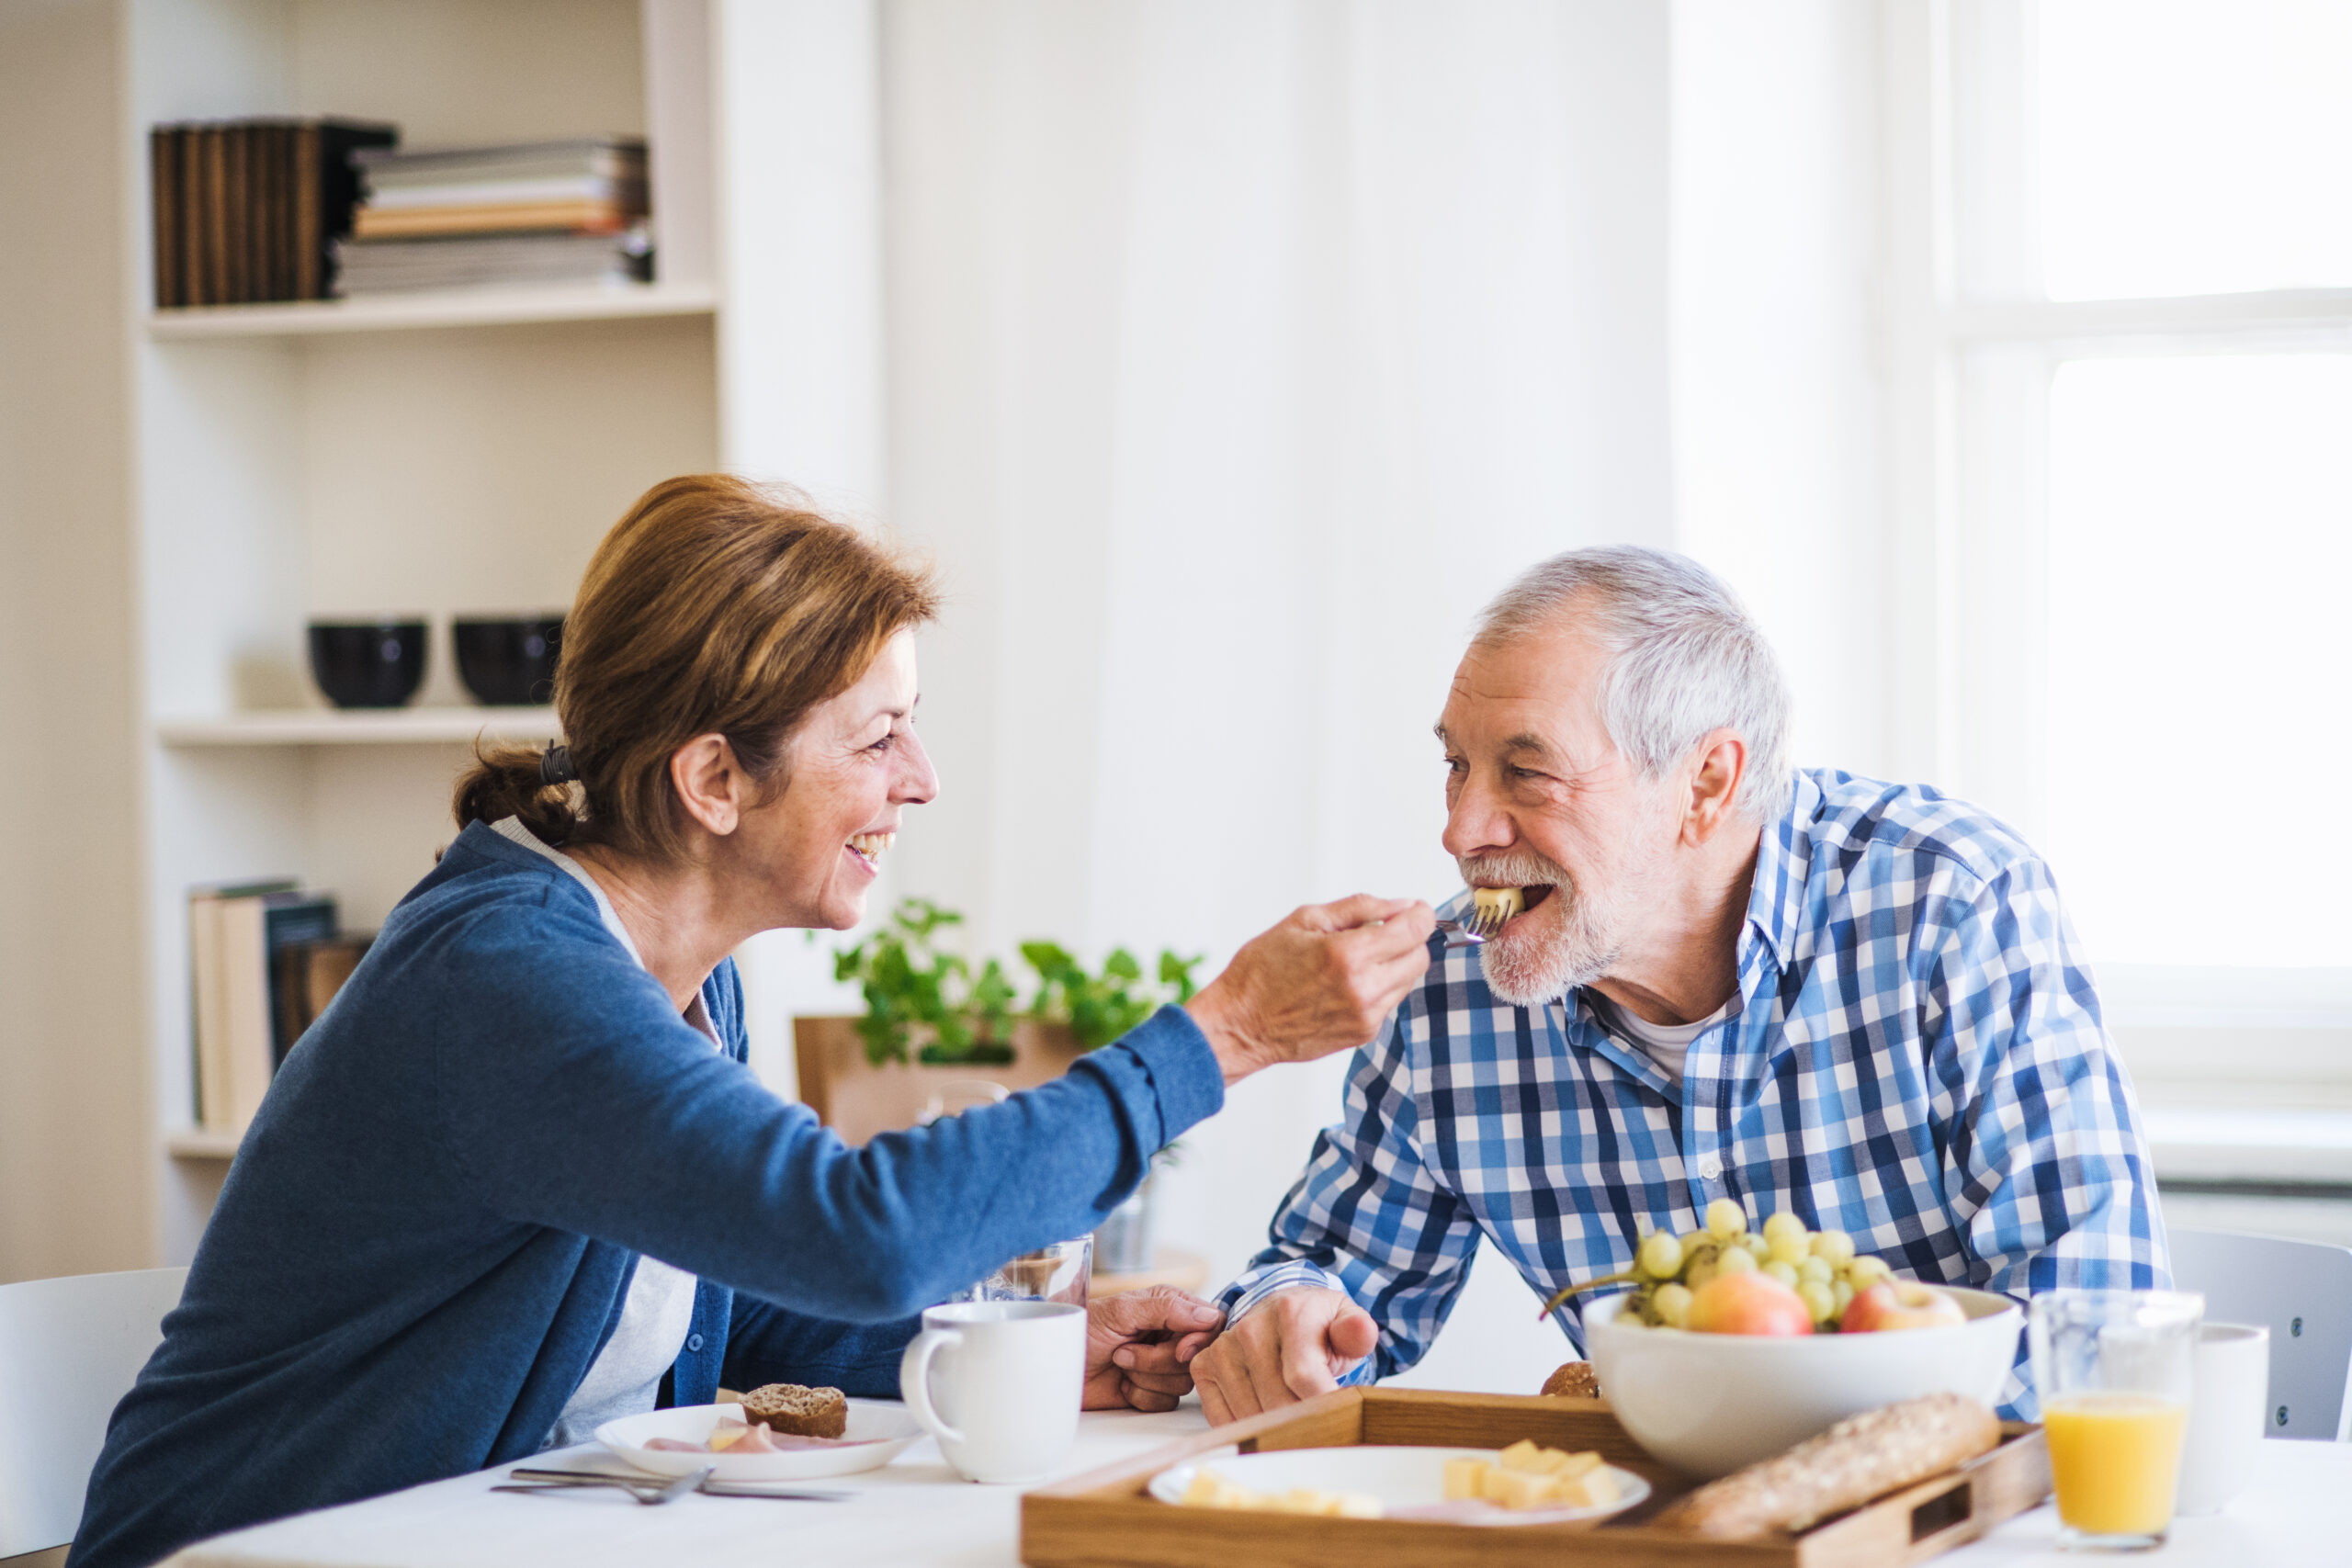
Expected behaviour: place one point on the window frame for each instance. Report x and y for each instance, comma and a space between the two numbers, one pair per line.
1973, 347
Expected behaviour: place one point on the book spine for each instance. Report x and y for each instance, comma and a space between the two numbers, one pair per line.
209, 1021
163, 179
309, 201
216, 216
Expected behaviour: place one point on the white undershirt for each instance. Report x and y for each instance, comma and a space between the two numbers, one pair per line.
1665, 1044
625, 1378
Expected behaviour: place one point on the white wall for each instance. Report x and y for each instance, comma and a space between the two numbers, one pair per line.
75, 1159
1237, 352
1778, 381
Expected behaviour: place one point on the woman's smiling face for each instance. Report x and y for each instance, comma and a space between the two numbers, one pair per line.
853, 765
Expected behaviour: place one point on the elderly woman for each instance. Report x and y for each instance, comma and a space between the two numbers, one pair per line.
517, 1180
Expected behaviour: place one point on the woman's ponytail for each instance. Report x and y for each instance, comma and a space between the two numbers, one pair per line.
521, 782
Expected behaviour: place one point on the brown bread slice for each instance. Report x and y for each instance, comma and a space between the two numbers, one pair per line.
805, 1412
1860, 1458
1574, 1380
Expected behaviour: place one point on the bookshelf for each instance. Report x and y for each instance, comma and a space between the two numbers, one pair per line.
393, 727
456, 452
430, 308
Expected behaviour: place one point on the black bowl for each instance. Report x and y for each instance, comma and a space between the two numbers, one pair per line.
367, 664
509, 661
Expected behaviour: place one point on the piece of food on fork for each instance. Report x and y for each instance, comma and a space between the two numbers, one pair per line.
1491, 907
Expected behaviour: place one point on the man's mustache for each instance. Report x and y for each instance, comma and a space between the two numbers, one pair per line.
1512, 869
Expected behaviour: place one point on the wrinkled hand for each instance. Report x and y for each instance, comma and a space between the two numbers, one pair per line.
1137, 1346
1289, 1346
1321, 981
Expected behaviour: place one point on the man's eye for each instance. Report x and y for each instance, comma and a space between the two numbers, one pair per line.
883, 744
1456, 765
1525, 773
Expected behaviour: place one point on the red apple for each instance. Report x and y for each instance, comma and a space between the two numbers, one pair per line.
1900, 1303
1748, 1302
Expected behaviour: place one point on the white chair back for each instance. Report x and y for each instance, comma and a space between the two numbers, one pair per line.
2302, 1289
70, 1349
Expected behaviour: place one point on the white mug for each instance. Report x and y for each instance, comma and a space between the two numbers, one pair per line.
2224, 1439
999, 1385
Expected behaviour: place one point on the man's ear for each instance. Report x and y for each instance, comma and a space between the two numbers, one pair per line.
1723, 763
711, 787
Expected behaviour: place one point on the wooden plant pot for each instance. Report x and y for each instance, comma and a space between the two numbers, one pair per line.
858, 1099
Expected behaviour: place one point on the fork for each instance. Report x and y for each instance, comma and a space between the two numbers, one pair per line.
1463, 934
649, 1493
562, 1480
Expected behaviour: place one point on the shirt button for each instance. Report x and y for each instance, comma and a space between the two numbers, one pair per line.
1710, 1167
693, 1343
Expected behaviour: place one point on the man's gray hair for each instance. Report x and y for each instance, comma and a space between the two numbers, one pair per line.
1684, 658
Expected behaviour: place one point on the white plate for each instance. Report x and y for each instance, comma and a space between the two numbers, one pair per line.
880, 1419
1400, 1477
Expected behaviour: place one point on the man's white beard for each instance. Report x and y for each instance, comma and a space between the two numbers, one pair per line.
1571, 939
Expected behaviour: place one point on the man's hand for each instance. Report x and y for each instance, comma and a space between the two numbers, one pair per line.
1137, 1346
1289, 1346
1321, 981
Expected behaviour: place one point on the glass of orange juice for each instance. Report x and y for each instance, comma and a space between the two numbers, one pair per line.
2115, 1371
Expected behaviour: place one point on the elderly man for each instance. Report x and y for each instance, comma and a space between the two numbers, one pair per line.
1859, 1002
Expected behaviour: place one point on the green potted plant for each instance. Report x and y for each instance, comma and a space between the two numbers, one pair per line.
937, 1026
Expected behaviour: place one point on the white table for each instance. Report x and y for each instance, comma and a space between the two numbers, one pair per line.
915, 1512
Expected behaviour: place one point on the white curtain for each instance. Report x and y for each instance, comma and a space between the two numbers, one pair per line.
1237, 352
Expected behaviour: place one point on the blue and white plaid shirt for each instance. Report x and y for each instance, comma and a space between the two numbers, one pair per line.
1915, 1055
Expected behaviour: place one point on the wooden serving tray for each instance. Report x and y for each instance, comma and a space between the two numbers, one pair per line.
1106, 1519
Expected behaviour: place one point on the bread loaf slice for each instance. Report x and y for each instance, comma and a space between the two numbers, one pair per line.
1860, 1458
806, 1412
1574, 1380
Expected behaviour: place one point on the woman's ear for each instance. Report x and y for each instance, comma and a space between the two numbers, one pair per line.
710, 785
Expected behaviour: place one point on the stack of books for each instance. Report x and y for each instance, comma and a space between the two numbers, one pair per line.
245, 210
541, 212
265, 958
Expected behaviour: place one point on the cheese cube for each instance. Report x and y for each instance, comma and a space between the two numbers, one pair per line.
1525, 1456
1464, 1479
1357, 1505
1517, 1489
1303, 1500
1574, 1465
1597, 1489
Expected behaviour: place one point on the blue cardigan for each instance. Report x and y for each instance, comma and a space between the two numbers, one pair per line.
429, 1231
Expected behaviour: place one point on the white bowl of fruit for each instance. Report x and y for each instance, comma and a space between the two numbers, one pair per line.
1744, 1344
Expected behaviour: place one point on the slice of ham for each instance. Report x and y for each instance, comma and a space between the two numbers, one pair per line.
758, 1440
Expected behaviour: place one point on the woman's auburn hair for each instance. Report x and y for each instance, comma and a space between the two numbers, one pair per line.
714, 607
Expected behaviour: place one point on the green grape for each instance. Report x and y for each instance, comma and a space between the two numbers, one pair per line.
1785, 1272
1672, 1305
1692, 1244
1844, 1294
1782, 1223
1834, 1248
1864, 1272
1706, 1269
1735, 1261
1814, 1271
1726, 1219
1790, 1249
1758, 1248
1818, 1299
1661, 1255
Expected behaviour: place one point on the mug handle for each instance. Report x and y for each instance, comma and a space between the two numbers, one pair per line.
914, 1380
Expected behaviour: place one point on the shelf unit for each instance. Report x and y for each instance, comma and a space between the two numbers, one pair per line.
382, 727
433, 308
457, 452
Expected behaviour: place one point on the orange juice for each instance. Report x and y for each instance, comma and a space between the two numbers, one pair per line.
2113, 1458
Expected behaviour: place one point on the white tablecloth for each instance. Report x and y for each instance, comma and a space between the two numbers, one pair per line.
914, 1511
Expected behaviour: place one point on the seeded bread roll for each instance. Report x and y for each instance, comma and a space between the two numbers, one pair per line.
1860, 1458
805, 1412
1574, 1380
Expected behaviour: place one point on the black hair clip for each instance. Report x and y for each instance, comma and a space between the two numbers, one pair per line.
555, 765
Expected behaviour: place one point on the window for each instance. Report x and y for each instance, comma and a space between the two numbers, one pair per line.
2125, 286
